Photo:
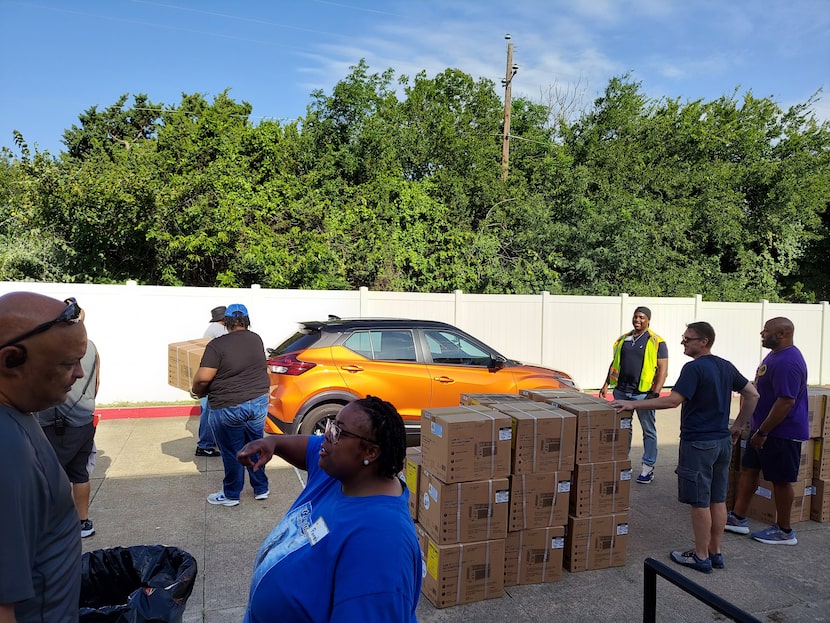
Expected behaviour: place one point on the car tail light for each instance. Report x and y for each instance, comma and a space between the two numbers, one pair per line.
289, 365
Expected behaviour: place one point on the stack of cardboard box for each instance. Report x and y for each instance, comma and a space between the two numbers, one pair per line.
597, 528
811, 489
819, 400
542, 460
463, 502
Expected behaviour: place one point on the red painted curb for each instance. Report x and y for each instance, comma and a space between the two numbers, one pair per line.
123, 413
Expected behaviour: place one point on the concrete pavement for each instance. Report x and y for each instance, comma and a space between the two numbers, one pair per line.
148, 488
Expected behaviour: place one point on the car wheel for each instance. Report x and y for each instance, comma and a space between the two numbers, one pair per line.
314, 423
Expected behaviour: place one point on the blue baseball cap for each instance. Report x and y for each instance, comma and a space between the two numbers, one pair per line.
237, 309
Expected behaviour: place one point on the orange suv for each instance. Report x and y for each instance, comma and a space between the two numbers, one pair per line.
414, 364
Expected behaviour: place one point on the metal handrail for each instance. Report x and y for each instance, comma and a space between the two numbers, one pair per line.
653, 568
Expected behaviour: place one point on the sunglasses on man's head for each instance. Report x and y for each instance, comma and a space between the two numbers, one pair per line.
72, 313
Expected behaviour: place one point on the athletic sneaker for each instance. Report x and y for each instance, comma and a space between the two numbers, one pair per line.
647, 475
220, 499
690, 559
716, 560
738, 526
262, 496
775, 536
207, 452
86, 528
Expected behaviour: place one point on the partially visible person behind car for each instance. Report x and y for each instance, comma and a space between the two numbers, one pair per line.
232, 375
42, 342
206, 445
69, 428
349, 533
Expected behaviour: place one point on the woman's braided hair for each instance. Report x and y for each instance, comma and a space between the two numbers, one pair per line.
389, 433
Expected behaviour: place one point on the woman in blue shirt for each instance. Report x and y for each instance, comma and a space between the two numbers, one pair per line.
347, 549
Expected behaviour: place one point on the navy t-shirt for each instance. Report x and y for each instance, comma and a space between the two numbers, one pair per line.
707, 384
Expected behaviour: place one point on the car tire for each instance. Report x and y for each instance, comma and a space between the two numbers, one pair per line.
314, 423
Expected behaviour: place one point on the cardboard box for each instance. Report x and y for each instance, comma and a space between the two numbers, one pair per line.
544, 437
762, 505
805, 466
463, 512
820, 504
534, 556
596, 542
817, 403
461, 573
539, 500
602, 434
600, 488
543, 395
412, 476
821, 459
492, 399
466, 443
183, 359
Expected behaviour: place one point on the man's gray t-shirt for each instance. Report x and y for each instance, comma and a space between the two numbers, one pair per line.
40, 540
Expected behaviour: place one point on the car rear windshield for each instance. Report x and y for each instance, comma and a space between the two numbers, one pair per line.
299, 341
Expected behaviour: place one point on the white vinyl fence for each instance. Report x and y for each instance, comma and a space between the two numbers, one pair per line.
132, 326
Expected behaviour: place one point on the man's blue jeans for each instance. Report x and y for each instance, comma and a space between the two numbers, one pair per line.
206, 440
646, 417
233, 427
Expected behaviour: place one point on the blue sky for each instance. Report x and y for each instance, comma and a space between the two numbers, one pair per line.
63, 56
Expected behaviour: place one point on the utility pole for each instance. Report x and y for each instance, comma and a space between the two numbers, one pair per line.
507, 83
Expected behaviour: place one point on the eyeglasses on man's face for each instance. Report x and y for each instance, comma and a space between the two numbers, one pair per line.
335, 431
686, 338
72, 313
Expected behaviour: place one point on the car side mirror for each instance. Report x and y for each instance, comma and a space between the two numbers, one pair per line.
497, 363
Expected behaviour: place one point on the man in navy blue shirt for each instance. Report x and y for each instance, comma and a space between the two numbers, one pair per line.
705, 390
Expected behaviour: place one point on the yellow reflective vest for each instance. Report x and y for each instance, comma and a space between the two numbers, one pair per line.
649, 361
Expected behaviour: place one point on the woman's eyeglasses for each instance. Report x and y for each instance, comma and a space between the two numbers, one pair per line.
72, 313
335, 431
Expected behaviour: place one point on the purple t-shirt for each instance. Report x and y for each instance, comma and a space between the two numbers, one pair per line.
783, 374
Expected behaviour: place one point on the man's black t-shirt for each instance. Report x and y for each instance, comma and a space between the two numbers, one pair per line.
632, 356
241, 375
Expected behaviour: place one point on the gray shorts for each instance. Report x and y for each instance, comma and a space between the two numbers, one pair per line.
703, 471
73, 449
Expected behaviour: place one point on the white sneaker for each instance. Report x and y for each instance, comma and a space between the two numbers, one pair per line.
220, 499
262, 496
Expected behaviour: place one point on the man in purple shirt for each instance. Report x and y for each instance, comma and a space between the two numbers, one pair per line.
778, 426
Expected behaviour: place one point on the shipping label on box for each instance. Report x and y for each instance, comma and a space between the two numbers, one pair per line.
539, 500
534, 556
762, 504
465, 511
183, 359
820, 504
600, 488
602, 434
596, 542
461, 573
466, 443
544, 437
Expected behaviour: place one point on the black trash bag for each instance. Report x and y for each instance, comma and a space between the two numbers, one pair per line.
138, 584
